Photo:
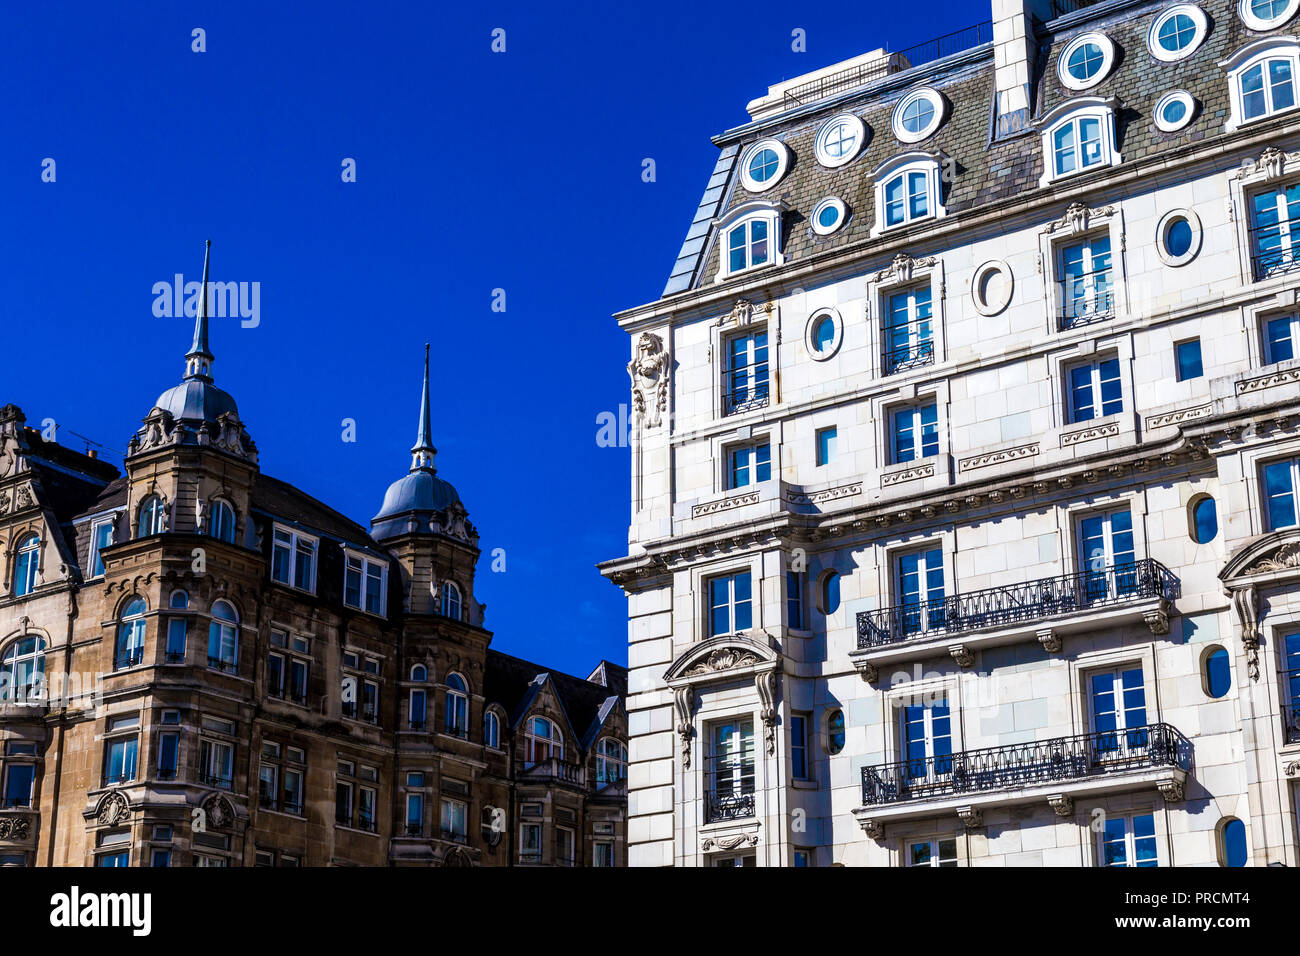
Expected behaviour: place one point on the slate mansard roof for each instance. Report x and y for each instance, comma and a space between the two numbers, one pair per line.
987, 169
513, 683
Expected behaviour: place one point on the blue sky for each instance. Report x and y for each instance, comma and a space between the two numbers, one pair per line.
475, 171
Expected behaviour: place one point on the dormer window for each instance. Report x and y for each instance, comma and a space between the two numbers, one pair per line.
293, 559
1078, 136
750, 237
749, 244
1262, 78
1177, 32
907, 191
841, 139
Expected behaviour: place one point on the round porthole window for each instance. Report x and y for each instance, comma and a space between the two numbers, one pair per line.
840, 140
823, 333
1266, 14
1086, 61
828, 216
991, 287
1177, 32
918, 115
1174, 111
763, 165
1178, 237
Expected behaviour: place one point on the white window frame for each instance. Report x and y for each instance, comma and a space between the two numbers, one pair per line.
1293, 320
1129, 855
750, 451
935, 844
1259, 24
95, 549
157, 515
782, 165
1094, 364
1189, 106
1073, 111
1246, 59
1193, 13
366, 562
911, 162
295, 536
937, 102
823, 135
744, 215
842, 215
913, 409
1104, 44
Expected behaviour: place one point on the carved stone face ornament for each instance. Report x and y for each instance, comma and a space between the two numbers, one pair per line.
649, 374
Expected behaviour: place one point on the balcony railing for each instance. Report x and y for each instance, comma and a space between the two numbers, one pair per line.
455, 730
217, 664
739, 400
1017, 604
414, 830
128, 658
215, 780
909, 356
856, 76
454, 836
175, 657
554, 768
1060, 760
720, 807
1087, 298
1274, 250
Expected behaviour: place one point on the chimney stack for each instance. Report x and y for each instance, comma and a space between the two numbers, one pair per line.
1014, 49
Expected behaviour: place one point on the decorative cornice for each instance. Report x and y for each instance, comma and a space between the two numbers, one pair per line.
925, 470
997, 457
827, 494
1283, 377
1090, 434
724, 504
1182, 415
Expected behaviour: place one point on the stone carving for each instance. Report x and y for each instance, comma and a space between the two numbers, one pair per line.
997, 457
1171, 790
1089, 434
722, 659
867, 671
113, 809
1285, 377
874, 829
200, 515
1271, 162
962, 655
972, 817
908, 474
456, 857
1158, 620
1061, 805
4, 501
725, 504
1283, 559
1050, 640
24, 499
1292, 768
1078, 217
220, 812
15, 828
649, 374
684, 704
828, 494
766, 684
1246, 603
901, 269
1182, 415
729, 843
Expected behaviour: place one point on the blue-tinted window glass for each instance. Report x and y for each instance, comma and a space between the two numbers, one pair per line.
1279, 493
894, 201
794, 599
831, 593
1218, 673
1253, 103
1174, 112
1178, 238
1188, 355
1205, 517
1279, 340
1280, 85
1063, 149
828, 216
918, 196
826, 441
736, 247
1234, 843
823, 333
1085, 61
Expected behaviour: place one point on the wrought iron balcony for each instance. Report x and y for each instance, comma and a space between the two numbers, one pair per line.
128, 658
1273, 250
1082, 306
217, 664
1291, 709
215, 780
1013, 766
175, 657
1016, 604
454, 836
739, 400
720, 807
909, 356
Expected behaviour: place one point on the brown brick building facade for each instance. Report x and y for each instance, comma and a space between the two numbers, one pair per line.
203, 665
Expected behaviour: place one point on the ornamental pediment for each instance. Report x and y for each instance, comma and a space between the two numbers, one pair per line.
735, 655
1276, 553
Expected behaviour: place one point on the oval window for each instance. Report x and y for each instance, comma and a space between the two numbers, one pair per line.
1233, 835
1178, 238
835, 732
828, 216
824, 333
1217, 672
1205, 520
831, 593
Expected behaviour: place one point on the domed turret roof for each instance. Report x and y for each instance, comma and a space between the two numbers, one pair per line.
417, 496
196, 400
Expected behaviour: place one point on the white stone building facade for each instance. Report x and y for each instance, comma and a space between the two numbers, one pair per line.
966, 459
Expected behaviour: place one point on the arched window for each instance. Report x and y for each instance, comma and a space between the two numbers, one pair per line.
835, 731
180, 600
831, 593
151, 517
223, 637
1262, 80
1216, 672
221, 524
26, 561
22, 670
457, 716
749, 236
908, 188
1205, 520
130, 634
542, 741
1233, 850
419, 672
450, 600
1078, 135
611, 761
492, 729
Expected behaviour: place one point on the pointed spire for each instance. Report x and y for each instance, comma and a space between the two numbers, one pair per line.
198, 360
423, 452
